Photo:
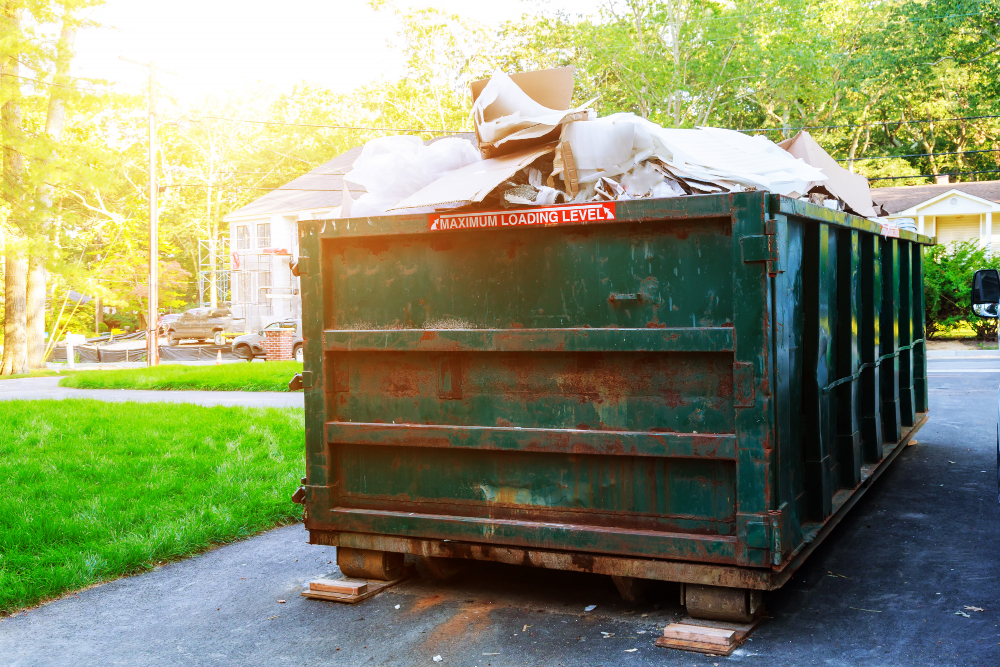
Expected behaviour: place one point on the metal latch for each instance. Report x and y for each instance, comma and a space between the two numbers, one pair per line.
299, 266
303, 380
299, 497
764, 248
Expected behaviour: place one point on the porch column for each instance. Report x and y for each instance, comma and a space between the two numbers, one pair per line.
988, 231
920, 224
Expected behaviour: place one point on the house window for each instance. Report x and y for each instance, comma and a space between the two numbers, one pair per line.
242, 237
245, 282
264, 235
263, 285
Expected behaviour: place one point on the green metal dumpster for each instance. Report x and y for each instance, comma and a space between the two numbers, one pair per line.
693, 389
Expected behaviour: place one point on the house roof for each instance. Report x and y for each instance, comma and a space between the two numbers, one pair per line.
323, 187
894, 200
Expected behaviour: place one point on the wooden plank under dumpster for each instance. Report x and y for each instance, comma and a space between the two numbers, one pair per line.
692, 389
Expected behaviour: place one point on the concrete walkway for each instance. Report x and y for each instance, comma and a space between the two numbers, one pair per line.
48, 387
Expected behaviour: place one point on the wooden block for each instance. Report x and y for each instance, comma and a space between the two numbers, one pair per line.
704, 636
368, 588
330, 595
342, 586
701, 634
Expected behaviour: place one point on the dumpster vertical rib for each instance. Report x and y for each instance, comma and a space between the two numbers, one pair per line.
889, 339
848, 362
787, 481
752, 321
871, 315
906, 413
817, 280
919, 330
311, 276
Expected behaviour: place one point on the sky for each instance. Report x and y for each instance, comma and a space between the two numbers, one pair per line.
215, 45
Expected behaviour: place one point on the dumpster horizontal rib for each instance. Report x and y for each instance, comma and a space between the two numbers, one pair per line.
676, 339
542, 535
552, 440
656, 211
804, 209
643, 568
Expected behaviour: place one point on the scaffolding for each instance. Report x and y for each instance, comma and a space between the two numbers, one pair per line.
222, 278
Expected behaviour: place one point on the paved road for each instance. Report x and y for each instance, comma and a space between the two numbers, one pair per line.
48, 387
920, 546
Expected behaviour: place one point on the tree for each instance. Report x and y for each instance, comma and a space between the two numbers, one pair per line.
28, 153
16, 266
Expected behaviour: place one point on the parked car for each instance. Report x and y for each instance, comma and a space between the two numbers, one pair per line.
204, 324
251, 345
986, 303
163, 324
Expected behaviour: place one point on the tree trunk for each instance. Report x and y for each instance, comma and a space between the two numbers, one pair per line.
55, 121
35, 313
15, 311
15, 353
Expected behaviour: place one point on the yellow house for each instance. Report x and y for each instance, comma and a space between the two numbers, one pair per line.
948, 211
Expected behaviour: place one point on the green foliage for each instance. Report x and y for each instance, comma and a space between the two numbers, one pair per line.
269, 376
91, 491
865, 73
948, 272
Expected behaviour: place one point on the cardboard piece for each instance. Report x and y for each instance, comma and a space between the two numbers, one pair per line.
511, 113
850, 188
473, 182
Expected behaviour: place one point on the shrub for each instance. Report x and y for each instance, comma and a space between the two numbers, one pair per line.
948, 271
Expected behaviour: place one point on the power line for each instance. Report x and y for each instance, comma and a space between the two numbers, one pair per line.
887, 122
337, 127
788, 14
48, 83
891, 157
219, 186
957, 173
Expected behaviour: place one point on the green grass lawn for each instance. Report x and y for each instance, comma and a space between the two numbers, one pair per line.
90, 491
268, 376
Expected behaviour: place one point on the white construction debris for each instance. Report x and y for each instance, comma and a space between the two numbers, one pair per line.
541, 152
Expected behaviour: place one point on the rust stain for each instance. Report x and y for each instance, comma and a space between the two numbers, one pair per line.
400, 380
428, 335
376, 245
466, 624
426, 603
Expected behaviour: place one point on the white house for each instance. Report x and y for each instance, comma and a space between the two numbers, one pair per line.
948, 211
263, 240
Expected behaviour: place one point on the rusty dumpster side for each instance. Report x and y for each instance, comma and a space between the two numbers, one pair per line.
696, 390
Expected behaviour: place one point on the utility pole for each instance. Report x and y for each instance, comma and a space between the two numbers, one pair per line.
152, 314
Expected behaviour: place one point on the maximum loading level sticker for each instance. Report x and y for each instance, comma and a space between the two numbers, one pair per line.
548, 215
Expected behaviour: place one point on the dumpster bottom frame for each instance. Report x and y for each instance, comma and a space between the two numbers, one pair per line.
685, 572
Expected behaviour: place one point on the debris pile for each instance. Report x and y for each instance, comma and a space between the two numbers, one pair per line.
535, 150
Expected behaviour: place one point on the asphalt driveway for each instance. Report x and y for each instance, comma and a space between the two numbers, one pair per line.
885, 589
